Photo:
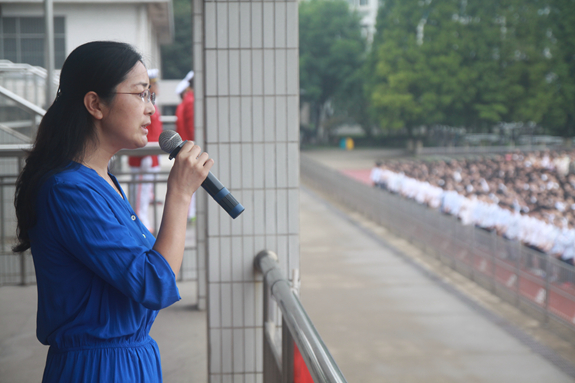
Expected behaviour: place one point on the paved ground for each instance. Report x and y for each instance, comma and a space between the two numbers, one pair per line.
180, 331
385, 320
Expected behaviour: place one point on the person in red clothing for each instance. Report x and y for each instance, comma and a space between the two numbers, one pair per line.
144, 167
185, 122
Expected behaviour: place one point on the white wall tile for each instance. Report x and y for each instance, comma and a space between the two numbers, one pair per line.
257, 72
293, 210
223, 73
237, 259
259, 245
292, 118
223, 120
225, 262
259, 353
211, 73
238, 345
214, 305
210, 27
237, 224
292, 71
249, 300
259, 217
268, 31
250, 378
213, 218
226, 305
248, 215
222, 25
270, 166
198, 59
283, 256
234, 25
292, 25
248, 254
271, 243
245, 72
269, 119
281, 119
257, 25
227, 350
269, 71
198, 28
235, 167
293, 165
212, 122
246, 164
280, 24
234, 72
217, 378
282, 160
237, 305
235, 122
225, 222
245, 25
198, 120
258, 119
215, 351
259, 164
270, 211
214, 259
250, 349
280, 71
246, 119
282, 214
259, 378
198, 7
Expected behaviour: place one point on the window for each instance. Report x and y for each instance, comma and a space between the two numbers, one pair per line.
363, 2
22, 40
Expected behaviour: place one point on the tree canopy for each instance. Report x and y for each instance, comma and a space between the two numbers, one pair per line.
177, 57
473, 64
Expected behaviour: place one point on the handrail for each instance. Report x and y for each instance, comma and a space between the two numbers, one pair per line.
22, 102
9, 66
317, 357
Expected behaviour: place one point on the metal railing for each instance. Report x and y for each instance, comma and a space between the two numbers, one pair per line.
296, 328
535, 282
18, 269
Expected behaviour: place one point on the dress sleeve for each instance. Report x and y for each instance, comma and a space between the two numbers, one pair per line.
90, 230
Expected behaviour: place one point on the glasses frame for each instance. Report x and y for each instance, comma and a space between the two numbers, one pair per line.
146, 96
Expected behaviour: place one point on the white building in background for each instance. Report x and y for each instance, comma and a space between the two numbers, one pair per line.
367, 9
145, 24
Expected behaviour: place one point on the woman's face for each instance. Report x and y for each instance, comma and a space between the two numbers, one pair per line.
126, 118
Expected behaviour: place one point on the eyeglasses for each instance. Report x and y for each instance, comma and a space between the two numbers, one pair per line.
146, 96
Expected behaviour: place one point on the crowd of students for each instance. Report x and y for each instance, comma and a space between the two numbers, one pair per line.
527, 197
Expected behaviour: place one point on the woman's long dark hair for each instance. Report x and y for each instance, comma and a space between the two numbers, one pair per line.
67, 127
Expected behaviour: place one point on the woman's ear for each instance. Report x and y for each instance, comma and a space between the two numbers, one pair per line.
93, 104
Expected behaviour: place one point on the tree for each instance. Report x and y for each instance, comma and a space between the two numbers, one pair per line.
474, 64
332, 51
177, 57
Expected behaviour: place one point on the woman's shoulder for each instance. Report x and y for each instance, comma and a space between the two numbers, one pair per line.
73, 176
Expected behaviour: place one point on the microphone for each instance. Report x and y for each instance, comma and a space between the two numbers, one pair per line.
171, 142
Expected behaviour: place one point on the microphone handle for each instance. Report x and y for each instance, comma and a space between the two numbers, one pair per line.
218, 191
222, 196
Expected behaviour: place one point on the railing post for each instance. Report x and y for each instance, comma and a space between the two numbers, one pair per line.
287, 354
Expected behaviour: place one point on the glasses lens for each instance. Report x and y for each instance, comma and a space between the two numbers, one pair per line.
153, 98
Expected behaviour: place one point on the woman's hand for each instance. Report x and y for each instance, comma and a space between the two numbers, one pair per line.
190, 169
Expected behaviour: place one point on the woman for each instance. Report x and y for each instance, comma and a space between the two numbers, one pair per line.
101, 275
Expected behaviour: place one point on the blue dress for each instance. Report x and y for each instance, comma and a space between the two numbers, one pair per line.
100, 284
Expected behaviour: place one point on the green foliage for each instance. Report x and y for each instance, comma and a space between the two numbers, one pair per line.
177, 57
473, 64
332, 51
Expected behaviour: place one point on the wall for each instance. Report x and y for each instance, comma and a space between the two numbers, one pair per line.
247, 118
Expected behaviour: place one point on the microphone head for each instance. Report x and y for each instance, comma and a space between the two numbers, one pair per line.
169, 140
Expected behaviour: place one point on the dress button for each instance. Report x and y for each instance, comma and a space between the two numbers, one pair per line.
133, 217
144, 235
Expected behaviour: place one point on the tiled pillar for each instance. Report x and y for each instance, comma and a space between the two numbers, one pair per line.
247, 110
